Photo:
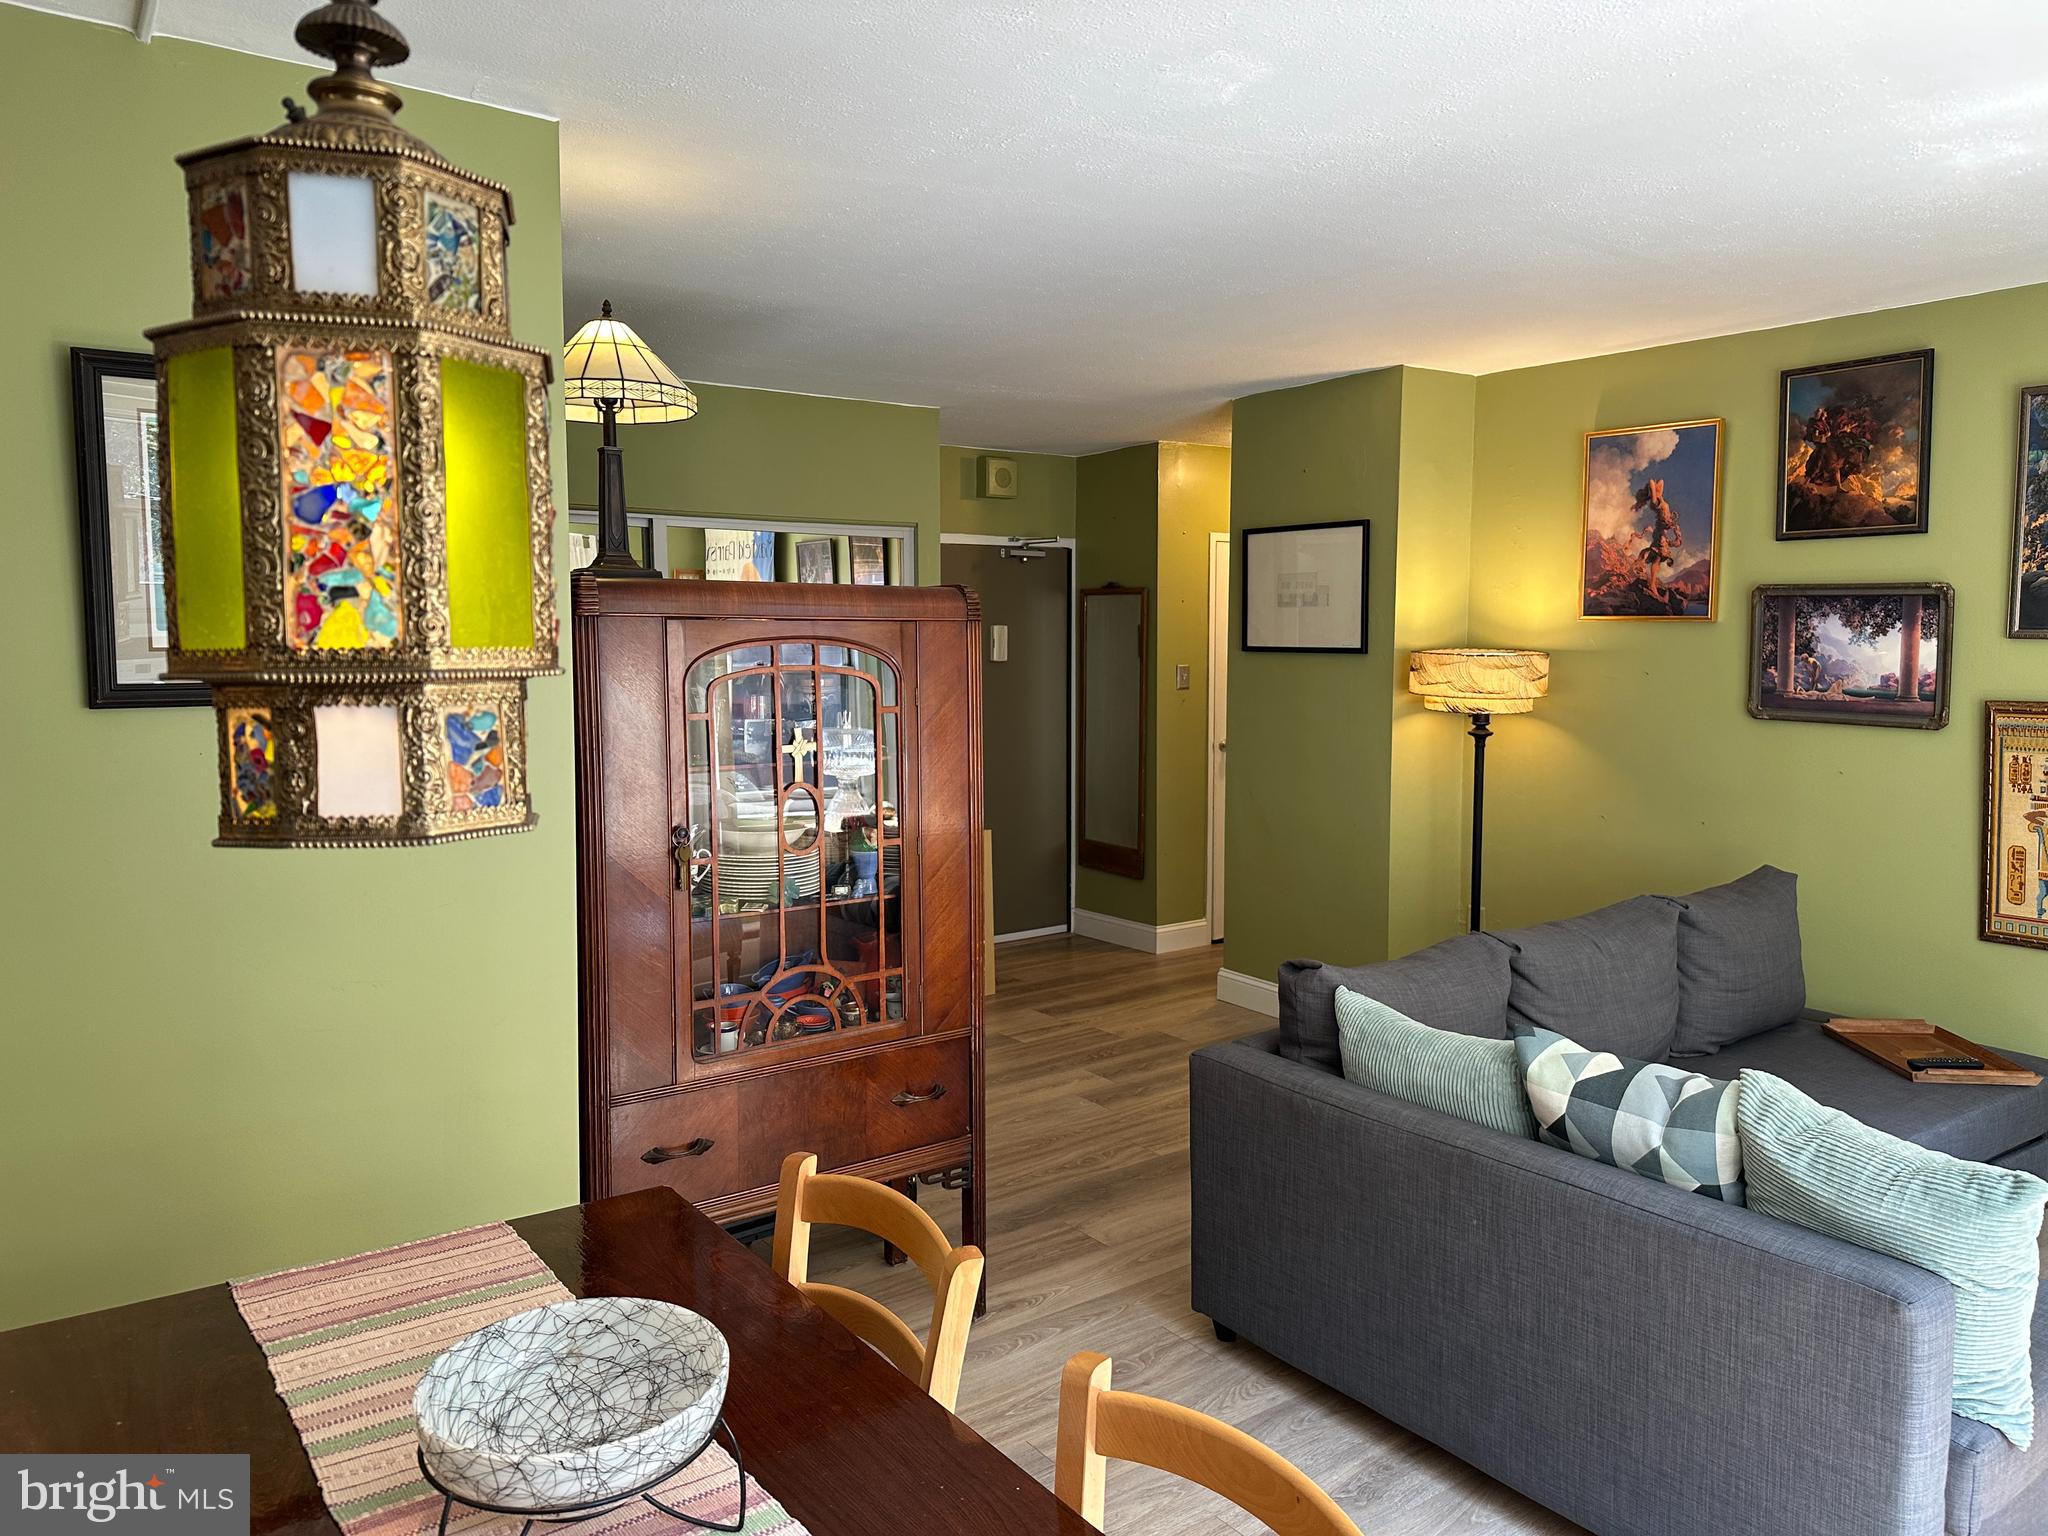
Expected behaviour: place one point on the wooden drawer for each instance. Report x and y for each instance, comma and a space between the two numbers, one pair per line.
700, 1131
850, 1110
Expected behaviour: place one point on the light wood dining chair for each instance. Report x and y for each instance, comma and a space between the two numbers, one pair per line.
1096, 1423
808, 1198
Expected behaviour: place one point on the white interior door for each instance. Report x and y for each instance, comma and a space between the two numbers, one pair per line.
1219, 717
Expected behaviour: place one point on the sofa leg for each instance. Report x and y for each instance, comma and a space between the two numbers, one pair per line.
1223, 1335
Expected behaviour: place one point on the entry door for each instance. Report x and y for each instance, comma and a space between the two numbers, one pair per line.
1024, 727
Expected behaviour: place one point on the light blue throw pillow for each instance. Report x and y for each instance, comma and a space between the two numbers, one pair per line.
1468, 1076
1974, 1225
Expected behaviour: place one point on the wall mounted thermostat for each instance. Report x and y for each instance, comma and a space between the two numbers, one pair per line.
998, 477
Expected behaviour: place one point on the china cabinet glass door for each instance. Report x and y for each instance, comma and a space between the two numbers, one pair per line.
792, 854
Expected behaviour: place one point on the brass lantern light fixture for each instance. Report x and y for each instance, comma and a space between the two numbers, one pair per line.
357, 544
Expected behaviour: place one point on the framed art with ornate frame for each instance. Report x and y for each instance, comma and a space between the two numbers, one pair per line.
2015, 909
1853, 653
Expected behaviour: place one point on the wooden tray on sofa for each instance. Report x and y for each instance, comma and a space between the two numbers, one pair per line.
1893, 1042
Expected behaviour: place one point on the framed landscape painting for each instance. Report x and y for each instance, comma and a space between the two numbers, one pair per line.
1855, 438
2027, 617
1652, 522
2016, 824
1858, 654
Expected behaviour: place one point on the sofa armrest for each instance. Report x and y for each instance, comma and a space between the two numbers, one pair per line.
1634, 1356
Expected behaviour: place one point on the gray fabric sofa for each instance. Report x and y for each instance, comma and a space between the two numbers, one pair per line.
1641, 1359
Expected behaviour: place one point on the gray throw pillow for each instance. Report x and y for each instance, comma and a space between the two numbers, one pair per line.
1460, 984
1608, 979
1739, 968
1665, 1123
1453, 1074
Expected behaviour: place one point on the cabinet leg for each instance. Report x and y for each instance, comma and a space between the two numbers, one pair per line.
974, 1222
891, 1254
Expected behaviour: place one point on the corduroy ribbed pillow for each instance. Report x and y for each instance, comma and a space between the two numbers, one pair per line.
1974, 1225
1439, 1069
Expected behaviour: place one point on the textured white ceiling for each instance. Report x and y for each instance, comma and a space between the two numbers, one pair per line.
1082, 223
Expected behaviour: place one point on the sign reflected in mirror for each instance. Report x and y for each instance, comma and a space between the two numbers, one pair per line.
1113, 705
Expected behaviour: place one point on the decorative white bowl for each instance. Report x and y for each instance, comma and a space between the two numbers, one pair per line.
571, 1404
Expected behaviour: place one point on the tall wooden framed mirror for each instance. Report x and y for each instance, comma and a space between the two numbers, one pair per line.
1115, 668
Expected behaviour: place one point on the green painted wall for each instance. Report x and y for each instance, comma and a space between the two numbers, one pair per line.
1306, 815
1143, 518
760, 453
1642, 771
217, 1061
1043, 505
1117, 542
1194, 502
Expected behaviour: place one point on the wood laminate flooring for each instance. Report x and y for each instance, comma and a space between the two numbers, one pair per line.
1088, 1249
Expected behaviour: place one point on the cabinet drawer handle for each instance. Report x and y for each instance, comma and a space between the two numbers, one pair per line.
936, 1091
696, 1148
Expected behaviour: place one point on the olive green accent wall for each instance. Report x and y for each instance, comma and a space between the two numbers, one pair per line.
1143, 518
1643, 770
223, 1061
761, 453
1345, 807
1043, 505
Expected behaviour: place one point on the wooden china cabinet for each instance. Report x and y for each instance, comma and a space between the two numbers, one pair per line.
779, 886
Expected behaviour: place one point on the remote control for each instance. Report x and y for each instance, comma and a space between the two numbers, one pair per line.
1944, 1063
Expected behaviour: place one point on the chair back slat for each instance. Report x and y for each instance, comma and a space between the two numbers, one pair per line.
1097, 1424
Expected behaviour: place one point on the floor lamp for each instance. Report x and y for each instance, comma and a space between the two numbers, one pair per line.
1481, 684
610, 375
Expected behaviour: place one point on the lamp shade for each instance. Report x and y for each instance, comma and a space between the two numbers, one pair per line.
607, 363
357, 534
1472, 681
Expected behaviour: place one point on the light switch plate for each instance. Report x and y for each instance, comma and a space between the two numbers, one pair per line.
999, 642
1180, 676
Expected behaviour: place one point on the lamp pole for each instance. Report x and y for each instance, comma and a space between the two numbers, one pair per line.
1482, 731
614, 554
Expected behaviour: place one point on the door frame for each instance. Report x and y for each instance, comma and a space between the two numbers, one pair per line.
1073, 686
1218, 730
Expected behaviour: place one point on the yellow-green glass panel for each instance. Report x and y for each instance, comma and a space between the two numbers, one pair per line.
206, 500
490, 547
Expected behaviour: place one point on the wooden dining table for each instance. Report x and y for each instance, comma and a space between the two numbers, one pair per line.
846, 1443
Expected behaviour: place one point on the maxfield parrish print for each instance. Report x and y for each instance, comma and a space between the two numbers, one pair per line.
1855, 447
2016, 825
2028, 616
1651, 533
1853, 654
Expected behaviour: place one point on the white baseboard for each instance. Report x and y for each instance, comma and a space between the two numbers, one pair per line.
1031, 933
1248, 992
1166, 939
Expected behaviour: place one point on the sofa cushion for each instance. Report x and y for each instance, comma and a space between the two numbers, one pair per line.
1440, 1069
1739, 968
1608, 979
1665, 1123
1963, 1120
1989, 1475
1976, 1226
1460, 984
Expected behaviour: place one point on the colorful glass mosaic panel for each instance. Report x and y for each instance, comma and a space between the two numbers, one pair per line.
223, 242
251, 755
340, 500
476, 761
452, 255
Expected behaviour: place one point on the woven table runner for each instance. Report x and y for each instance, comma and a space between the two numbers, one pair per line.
348, 1341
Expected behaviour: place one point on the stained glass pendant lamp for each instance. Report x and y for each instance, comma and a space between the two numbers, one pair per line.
357, 546
1479, 684
610, 375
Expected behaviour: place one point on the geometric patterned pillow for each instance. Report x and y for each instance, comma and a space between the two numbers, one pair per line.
1674, 1126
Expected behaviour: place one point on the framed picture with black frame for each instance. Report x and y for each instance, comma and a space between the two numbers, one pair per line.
1854, 442
1302, 587
120, 512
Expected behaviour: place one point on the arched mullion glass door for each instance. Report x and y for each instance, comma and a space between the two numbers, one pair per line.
794, 846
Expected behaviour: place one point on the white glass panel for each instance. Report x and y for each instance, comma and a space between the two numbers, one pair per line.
358, 758
334, 234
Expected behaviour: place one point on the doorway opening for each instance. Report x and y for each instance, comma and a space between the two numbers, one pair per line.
1219, 718
1027, 625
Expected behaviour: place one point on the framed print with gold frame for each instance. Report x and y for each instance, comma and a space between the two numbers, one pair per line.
2015, 907
1650, 522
